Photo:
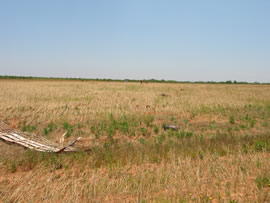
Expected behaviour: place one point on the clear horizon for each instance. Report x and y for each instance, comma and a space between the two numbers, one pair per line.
171, 40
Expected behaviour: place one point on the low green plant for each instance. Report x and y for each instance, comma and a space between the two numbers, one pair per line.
144, 131
252, 123
173, 119
69, 128
262, 145
124, 126
201, 155
93, 129
51, 127
142, 141
148, 120
13, 167
212, 125
28, 128
263, 181
186, 121
230, 130
231, 119
189, 134
160, 139
243, 126
236, 128
156, 130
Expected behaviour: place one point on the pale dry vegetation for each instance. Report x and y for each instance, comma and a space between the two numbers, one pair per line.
221, 152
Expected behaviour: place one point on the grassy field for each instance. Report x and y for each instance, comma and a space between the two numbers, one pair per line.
221, 152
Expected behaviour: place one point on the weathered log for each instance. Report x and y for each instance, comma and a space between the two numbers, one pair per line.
173, 127
32, 141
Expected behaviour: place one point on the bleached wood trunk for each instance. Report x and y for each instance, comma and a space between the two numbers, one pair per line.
34, 142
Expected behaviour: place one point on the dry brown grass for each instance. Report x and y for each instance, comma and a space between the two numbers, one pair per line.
221, 179
221, 152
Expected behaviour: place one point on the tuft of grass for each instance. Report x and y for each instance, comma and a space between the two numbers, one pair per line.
148, 120
156, 130
69, 128
233, 201
28, 128
231, 119
243, 126
50, 128
252, 123
142, 141
13, 167
263, 181
262, 145
144, 131
173, 119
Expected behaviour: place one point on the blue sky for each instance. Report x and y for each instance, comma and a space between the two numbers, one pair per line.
173, 40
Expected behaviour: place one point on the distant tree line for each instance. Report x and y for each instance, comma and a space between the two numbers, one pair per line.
128, 80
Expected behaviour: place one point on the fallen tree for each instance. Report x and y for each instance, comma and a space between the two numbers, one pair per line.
33, 141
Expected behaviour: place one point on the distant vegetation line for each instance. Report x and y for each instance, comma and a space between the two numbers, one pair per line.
128, 80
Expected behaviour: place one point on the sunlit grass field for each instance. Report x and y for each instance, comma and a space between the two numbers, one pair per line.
221, 152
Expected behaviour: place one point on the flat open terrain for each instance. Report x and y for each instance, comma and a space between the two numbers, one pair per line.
220, 153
